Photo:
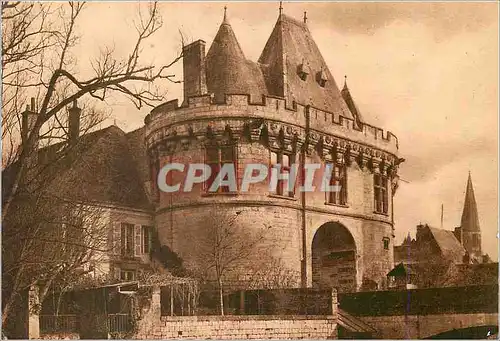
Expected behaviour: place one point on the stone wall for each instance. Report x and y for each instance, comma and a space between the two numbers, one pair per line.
242, 327
271, 108
59, 336
155, 326
178, 134
425, 326
181, 217
445, 300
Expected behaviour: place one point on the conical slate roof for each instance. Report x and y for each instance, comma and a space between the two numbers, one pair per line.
227, 69
470, 218
346, 95
288, 47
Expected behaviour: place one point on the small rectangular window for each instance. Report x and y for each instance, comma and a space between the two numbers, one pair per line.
386, 241
127, 275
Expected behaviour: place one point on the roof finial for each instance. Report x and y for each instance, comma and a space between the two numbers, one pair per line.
305, 17
224, 21
345, 81
281, 7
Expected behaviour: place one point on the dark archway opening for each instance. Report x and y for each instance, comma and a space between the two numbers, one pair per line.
334, 258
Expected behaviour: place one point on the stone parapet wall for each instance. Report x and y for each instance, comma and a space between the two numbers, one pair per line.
155, 326
202, 109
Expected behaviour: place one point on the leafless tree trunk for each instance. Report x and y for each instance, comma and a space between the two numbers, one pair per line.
226, 246
38, 41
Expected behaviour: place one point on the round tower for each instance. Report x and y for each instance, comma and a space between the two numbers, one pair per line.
286, 109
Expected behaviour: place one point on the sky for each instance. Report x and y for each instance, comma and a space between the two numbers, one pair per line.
428, 72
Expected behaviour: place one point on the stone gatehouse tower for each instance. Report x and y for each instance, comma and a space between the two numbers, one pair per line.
285, 108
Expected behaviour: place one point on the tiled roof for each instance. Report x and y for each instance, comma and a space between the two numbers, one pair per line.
289, 46
448, 244
106, 166
402, 270
470, 218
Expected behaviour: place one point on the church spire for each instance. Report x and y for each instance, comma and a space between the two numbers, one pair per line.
470, 217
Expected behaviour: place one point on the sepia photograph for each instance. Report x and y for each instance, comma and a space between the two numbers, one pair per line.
249, 170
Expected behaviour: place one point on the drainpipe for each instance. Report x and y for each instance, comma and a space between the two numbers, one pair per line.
171, 215
303, 197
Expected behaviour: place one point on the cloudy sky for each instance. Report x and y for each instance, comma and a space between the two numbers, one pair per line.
428, 72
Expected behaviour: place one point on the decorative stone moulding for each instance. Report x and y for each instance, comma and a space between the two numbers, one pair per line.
274, 134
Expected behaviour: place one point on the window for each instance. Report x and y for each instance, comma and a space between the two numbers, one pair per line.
386, 241
475, 241
127, 240
339, 178
215, 157
380, 191
146, 239
303, 70
284, 160
321, 78
347, 269
127, 275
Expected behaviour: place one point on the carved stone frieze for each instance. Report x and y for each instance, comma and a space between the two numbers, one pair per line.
276, 135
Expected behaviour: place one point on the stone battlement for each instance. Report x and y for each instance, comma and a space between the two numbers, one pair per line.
241, 106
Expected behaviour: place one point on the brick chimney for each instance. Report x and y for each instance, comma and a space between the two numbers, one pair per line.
195, 82
74, 123
27, 124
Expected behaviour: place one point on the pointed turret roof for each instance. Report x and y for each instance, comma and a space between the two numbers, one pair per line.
346, 95
288, 47
470, 218
407, 240
228, 71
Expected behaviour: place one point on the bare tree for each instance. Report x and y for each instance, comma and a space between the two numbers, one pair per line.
48, 231
274, 274
227, 248
46, 242
37, 60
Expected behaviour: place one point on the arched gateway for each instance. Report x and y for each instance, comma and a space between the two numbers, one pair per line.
334, 258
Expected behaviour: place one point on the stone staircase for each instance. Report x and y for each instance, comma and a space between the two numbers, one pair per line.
352, 327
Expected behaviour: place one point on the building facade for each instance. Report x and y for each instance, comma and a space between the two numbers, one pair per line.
284, 109
439, 257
